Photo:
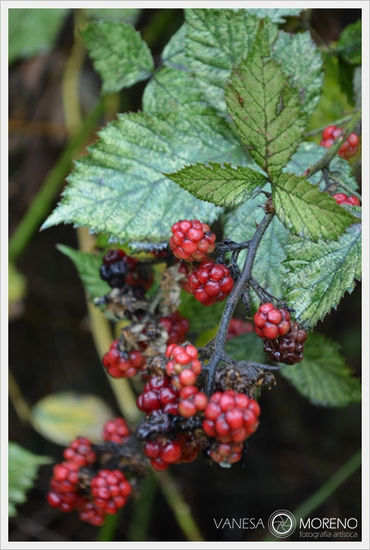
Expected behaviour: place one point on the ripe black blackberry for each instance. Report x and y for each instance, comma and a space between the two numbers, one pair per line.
289, 348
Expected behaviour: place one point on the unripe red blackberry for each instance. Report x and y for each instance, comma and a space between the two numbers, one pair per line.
89, 512
191, 401
209, 283
226, 453
348, 147
158, 395
110, 490
192, 240
289, 348
176, 326
116, 430
80, 451
230, 416
64, 486
237, 327
183, 366
123, 364
270, 322
342, 198
162, 452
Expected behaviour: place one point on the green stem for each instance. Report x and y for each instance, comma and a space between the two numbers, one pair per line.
142, 510
342, 120
108, 529
44, 199
179, 507
326, 490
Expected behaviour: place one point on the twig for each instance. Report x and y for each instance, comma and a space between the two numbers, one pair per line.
342, 120
330, 154
234, 297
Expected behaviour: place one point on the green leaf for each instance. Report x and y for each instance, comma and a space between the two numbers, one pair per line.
322, 376
201, 318
308, 153
263, 106
119, 54
88, 267
240, 225
33, 31
119, 187
301, 59
61, 417
320, 273
23, 466
306, 211
221, 185
173, 54
349, 44
277, 15
246, 347
126, 15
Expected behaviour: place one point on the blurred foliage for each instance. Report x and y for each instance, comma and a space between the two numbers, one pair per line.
17, 286
23, 466
61, 417
349, 44
33, 31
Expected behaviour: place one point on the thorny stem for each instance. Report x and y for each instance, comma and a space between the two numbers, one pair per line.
333, 150
234, 297
263, 294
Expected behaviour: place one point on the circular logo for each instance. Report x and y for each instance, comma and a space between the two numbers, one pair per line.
282, 523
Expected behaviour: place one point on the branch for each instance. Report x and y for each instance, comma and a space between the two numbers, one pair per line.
233, 299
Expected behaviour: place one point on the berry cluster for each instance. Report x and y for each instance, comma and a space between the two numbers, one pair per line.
231, 417
342, 198
176, 326
270, 322
120, 270
82, 484
191, 401
348, 147
226, 453
209, 283
183, 366
158, 395
123, 364
238, 327
192, 240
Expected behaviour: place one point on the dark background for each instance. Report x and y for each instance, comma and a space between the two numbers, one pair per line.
297, 447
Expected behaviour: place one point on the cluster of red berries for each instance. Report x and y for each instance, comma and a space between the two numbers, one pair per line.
283, 339
120, 270
123, 364
342, 198
176, 326
348, 147
231, 417
159, 395
79, 483
193, 241
183, 366
164, 451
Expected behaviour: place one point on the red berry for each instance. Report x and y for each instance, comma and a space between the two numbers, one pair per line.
270, 322
116, 430
348, 148
89, 512
165, 451
80, 452
237, 327
289, 348
191, 400
183, 366
209, 283
64, 486
176, 326
158, 395
226, 453
192, 240
110, 490
230, 416
122, 364
342, 198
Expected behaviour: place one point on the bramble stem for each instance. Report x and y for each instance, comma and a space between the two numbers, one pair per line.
233, 299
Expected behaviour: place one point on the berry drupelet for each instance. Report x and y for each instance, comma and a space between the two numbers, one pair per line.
209, 283
192, 240
270, 322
